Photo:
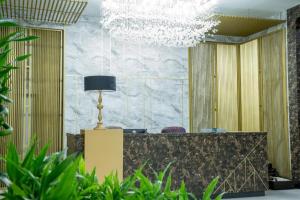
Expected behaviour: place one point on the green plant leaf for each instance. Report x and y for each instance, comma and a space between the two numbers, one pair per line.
7, 130
4, 111
28, 160
210, 189
12, 160
57, 171
22, 58
9, 66
4, 41
17, 190
82, 166
4, 56
38, 162
26, 39
66, 185
5, 180
168, 184
219, 197
5, 98
7, 23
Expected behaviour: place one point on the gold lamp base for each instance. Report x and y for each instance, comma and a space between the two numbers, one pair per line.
100, 118
99, 127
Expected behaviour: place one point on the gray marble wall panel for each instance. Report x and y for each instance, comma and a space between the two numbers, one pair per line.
152, 81
294, 88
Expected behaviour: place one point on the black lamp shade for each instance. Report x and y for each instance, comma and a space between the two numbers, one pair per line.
102, 83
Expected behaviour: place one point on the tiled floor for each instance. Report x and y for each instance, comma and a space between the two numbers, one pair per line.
277, 195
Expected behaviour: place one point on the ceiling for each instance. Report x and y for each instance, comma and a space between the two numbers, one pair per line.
244, 26
254, 8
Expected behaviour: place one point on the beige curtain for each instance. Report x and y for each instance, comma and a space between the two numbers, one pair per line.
227, 87
274, 96
250, 115
213, 87
247, 91
202, 85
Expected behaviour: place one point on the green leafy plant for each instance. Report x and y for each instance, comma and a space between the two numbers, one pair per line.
210, 190
42, 177
39, 176
6, 66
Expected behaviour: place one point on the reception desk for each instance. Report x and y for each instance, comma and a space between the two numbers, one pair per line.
239, 159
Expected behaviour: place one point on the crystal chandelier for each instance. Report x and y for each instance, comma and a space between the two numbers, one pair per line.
179, 23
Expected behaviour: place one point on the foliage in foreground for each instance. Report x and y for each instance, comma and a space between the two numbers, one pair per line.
58, 177
7, 64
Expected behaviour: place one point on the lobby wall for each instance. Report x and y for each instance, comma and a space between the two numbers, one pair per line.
293, 16
152, 82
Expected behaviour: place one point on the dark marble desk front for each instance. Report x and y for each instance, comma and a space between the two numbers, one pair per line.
239, 159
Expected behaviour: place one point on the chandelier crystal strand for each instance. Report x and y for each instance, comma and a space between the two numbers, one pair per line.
179, 23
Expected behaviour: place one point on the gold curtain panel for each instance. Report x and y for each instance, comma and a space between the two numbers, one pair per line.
246, 92
274, 99
250, 114
227, 87
202, 85
213, 86
49, 11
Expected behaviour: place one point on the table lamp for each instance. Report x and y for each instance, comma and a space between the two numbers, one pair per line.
100, 83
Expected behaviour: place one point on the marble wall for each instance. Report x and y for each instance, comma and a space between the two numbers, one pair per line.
294, 87
152, 81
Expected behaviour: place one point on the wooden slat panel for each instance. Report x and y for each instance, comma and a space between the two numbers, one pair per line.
55, 11
46, 82
250, 86
39, 86
17, 108
202, 69
227, 108
273, 63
